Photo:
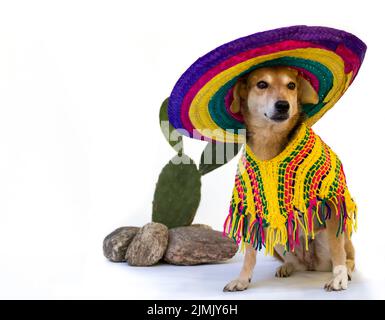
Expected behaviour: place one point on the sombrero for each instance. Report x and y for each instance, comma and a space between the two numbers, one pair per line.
200, 100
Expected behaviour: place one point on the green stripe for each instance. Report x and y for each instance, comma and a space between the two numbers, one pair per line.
335, 183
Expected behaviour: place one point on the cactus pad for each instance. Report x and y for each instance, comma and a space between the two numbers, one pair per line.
173, 137
177, 193
217, 154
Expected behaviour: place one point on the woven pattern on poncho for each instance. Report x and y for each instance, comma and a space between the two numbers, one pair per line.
273, 199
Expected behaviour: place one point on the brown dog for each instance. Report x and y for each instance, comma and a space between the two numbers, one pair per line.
270, 101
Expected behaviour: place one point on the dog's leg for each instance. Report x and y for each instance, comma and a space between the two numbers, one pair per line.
290, 261
338, 256
244, 279
350, 255
291, 265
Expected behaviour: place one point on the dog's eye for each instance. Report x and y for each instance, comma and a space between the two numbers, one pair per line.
262, 84
291, 85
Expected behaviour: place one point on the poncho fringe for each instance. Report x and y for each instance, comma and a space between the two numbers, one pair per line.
293, 191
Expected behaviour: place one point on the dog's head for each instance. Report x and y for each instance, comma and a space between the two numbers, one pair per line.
272, 96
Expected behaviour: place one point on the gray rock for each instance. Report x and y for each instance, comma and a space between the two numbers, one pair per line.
192, 245
201, 225
116, 243
148, 246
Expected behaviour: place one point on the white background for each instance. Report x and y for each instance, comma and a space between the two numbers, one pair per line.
81, 83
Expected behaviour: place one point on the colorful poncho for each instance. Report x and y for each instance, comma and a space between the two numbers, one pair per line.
293, 191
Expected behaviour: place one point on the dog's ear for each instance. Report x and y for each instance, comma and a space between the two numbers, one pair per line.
239, 95
307, 94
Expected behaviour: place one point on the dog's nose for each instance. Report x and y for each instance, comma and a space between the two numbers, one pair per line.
282, 106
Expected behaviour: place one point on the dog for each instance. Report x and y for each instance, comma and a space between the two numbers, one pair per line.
270, 100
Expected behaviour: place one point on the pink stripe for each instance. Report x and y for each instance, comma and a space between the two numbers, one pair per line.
297, 240
352, 62
290, 218
227, 224
266, 50
309, 76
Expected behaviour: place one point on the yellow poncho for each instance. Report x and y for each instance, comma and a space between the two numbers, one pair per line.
290, 192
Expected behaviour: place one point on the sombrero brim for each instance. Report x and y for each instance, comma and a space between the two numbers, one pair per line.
200, 101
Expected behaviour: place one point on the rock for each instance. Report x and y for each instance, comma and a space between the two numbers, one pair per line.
192, 245
148, 246
116, 243
201, 225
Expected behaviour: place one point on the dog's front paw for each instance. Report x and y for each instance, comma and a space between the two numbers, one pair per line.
285, 270
237, 285
340, 279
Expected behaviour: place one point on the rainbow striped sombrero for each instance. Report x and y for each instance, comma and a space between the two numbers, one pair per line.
200, 101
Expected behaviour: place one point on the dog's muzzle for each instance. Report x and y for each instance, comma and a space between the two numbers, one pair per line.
281, 111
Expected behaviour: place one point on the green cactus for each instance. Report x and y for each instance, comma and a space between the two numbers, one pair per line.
177, 193
173, 137
217, 154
